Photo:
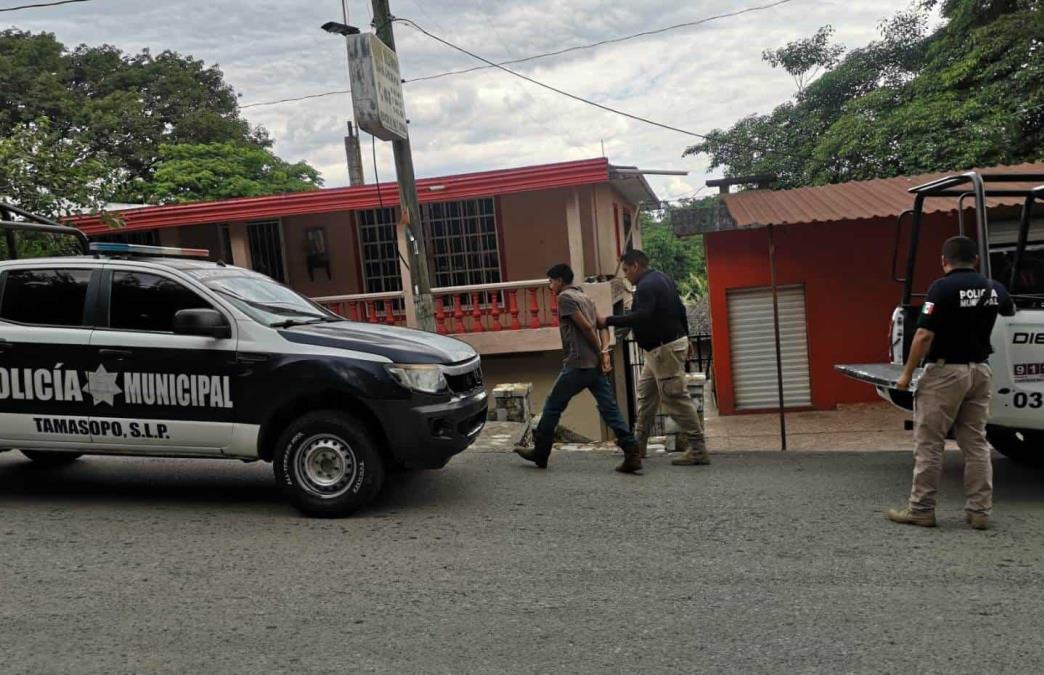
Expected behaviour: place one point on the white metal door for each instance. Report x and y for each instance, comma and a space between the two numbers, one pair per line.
752, 343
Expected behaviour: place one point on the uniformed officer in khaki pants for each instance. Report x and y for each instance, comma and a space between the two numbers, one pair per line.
661, 329
954, 391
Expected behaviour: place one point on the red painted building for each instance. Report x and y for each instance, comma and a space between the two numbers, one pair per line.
835, 247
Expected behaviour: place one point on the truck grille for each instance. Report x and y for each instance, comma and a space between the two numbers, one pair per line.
465, 382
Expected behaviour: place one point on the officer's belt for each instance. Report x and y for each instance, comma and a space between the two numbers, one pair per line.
944, 362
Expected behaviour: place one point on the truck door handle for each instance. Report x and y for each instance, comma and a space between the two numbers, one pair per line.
246, 358
115, 353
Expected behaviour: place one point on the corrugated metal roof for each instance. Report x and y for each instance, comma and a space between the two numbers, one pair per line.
857, 200
446, 188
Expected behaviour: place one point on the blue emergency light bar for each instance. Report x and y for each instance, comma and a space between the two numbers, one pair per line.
113, 248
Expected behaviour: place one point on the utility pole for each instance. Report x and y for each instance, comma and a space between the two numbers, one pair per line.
382, 19
353, 153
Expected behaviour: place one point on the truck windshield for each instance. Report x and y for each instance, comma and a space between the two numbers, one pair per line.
268, 302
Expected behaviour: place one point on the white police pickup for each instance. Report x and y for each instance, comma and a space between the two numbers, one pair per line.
149, 351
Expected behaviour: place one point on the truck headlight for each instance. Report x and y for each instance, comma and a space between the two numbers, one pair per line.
426, 378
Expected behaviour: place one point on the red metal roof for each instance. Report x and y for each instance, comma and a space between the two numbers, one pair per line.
857, 200
445, 188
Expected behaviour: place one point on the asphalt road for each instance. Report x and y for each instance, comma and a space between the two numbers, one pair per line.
760, 563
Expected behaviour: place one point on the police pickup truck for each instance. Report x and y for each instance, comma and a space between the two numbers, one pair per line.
151, 351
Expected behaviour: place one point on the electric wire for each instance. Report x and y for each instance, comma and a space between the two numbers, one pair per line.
41, 4
624, 38
535, 56
602, 106
335, 92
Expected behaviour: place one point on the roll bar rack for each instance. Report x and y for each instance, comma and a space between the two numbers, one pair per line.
33, 223
981, 187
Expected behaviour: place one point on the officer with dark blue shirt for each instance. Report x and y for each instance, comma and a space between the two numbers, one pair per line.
954, 391
661, 328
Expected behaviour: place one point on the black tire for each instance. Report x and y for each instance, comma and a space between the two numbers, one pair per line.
328, 464
1021, 447
51, 457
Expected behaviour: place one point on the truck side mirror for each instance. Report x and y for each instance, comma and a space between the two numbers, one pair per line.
202, 322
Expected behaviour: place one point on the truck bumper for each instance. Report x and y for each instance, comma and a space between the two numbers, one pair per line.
427, 436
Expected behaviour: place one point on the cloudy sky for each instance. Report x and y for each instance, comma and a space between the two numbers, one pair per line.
696, 78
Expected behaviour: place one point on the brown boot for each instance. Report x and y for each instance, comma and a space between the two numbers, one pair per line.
632, 459
978, 521
696, 455
909, 517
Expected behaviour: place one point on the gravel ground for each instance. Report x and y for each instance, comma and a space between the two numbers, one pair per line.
759, 563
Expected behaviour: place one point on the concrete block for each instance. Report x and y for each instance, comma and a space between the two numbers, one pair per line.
512, 402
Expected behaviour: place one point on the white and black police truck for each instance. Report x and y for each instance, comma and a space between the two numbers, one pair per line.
1010, 251
149, 351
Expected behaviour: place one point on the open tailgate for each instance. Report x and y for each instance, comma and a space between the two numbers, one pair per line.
883, 375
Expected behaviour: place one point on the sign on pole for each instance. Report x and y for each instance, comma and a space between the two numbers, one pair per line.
373, 69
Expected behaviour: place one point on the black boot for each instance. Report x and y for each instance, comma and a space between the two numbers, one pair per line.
538, 454
632, 459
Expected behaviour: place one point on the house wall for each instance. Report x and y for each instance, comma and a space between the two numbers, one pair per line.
610, 209
170, 236
533, 236
197, 236
849, 293
533, 225
342, 246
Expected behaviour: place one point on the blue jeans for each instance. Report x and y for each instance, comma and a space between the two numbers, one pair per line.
570, 382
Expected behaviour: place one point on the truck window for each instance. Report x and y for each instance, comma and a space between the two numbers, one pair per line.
45, 297
1030, 282
148, 302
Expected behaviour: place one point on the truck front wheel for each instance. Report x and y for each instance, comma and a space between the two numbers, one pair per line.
328, 464
1020, 446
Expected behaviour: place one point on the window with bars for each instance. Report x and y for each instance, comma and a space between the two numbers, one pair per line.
266, 249
461, 239
379, 250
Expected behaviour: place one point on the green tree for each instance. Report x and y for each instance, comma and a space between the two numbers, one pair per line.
804, 59
120, 111
190, 173
681, 259
52, 174
969, 94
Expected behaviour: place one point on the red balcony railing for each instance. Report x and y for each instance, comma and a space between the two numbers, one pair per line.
512, 305
385, 308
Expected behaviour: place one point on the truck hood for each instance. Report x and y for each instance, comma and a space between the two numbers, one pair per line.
401, 345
